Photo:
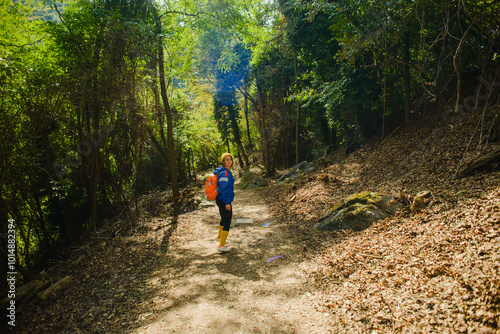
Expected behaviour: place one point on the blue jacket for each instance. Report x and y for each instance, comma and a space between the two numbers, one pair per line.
225, 183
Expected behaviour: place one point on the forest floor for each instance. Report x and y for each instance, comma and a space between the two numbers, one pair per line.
435, 270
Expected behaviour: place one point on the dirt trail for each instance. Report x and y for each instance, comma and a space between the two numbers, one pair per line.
204, 291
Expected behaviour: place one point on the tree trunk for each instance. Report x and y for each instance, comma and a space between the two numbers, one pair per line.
260, 108
159, 144
458, 66
168, 112
250, 144
266, 154
479, 163
297, 125
407, 76
98, 157
237, 138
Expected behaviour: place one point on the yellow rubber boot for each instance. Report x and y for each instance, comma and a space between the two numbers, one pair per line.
223, 237
220, 232
222, 247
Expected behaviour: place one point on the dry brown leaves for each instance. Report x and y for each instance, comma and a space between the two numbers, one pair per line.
435, 271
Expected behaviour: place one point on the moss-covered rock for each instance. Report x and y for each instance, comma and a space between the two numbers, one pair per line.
297, 171
358, 212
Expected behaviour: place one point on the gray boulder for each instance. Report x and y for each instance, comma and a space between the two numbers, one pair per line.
358, 212
298, 170
260, 182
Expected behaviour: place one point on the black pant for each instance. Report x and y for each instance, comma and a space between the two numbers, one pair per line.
225, 215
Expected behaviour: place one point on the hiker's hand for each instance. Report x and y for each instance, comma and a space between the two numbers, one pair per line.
228, 207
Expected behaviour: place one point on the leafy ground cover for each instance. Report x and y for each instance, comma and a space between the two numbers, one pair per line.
432, 271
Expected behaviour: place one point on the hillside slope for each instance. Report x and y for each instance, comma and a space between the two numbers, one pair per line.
432, 271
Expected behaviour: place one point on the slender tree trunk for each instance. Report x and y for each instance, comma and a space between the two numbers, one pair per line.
260, 107
458, 66
98, 157
407, 76
237, 138
384, 101
168, 112
266, 154
159, 144
250, 144
297, 125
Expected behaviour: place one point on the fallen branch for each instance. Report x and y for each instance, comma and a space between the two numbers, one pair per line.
482, 161
383, 141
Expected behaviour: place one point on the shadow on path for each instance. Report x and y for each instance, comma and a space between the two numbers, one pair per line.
203, 291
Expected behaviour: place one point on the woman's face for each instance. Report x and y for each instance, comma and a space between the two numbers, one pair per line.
228, 162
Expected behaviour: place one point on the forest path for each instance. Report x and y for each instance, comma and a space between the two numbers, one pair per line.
200, 290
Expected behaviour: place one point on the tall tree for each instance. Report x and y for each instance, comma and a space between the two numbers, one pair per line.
168, 112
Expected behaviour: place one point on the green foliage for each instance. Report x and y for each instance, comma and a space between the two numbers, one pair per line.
27, 100
72, 125
349, 50
196, 129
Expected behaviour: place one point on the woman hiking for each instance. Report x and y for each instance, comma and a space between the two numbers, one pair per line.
225, 183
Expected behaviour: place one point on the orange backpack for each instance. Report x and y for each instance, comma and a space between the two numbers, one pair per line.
211, 189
